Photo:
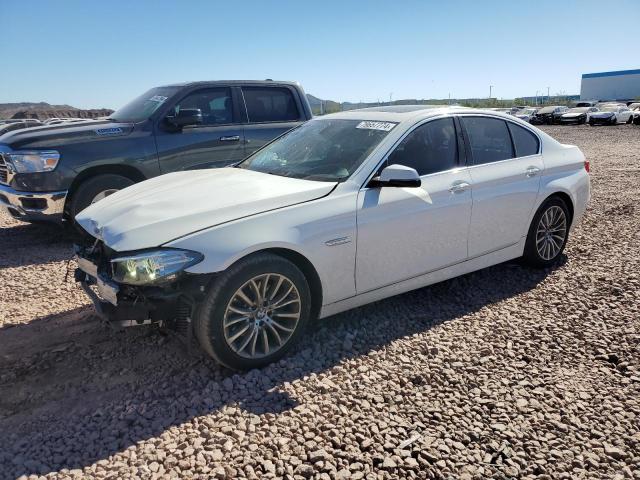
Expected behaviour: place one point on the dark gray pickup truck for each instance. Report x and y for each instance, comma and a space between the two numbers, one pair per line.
53, 172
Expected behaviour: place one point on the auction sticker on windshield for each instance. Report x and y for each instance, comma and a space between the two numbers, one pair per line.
369, 125
158, 98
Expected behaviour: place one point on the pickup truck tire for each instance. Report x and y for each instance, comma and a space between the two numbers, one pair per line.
254, 312
95, 187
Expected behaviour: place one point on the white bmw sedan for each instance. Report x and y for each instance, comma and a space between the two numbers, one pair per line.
344, 210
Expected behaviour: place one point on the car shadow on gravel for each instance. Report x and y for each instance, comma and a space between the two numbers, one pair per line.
74, 393
34, 244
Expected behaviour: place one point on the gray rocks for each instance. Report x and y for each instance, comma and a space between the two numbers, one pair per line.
505, 373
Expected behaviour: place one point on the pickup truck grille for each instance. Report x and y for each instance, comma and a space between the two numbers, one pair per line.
3, 170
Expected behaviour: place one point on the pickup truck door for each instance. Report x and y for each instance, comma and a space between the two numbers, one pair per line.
217, 142
270, 112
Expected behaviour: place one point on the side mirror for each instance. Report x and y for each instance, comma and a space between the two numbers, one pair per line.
396, 176
186, 117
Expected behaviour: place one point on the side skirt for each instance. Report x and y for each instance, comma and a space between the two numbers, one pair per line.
493, 258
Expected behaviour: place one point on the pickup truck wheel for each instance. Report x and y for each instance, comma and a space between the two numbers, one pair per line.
95, 189
254, 312
548, 234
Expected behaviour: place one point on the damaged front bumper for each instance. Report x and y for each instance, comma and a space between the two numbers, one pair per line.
119, 305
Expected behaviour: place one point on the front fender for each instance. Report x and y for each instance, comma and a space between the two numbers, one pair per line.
327, 241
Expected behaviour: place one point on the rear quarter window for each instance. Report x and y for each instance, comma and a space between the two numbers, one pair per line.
526, 143
270, 104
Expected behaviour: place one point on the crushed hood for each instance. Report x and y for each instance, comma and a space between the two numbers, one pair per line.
170, 206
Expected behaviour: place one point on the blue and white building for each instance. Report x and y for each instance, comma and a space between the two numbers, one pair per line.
619, 85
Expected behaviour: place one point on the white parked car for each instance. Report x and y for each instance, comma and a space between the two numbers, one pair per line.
611, 114
342, 211
577, 115
526, 114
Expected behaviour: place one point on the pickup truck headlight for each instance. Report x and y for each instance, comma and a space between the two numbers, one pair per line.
33, 161
152, 267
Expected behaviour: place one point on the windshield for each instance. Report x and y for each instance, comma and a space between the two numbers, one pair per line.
547, 109
143, 107
526, 111
609, 108
323, 150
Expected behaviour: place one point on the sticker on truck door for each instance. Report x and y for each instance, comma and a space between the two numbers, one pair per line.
369, 125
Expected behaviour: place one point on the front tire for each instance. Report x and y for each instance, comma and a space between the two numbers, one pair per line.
548, 234
95, 189
254, 312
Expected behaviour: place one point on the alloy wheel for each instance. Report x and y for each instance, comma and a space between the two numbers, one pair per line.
551, 232
262, 315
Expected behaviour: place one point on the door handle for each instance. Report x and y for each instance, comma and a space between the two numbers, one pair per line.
232, 138
532, 171
459, 186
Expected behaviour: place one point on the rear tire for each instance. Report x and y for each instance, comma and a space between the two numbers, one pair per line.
548, 234
240, 324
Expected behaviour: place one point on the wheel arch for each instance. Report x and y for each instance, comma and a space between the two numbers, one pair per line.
128, 171
566, 198
308, 270
303, 263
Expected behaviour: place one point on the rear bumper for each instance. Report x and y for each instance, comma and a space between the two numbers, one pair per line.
33, 206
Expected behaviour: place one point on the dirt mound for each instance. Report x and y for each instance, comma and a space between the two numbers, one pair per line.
43, 110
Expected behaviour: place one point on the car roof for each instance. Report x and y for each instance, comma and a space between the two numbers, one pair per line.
232, 82
402, 113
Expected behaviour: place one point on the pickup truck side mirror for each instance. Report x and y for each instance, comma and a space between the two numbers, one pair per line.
186, 117
396, 176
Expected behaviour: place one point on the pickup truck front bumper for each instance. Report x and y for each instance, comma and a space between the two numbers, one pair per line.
33, 206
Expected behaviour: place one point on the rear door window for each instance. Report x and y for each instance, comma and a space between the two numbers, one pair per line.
526, 143
270, 104
489, 139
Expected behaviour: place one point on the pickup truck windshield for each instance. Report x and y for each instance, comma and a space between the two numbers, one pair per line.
143, 107
322, 150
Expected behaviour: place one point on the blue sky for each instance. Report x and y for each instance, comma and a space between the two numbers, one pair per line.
102, 54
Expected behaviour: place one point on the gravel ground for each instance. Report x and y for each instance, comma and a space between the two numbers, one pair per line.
504, 373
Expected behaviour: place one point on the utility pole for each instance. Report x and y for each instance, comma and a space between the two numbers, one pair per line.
390, 96
536, 98
490, 88
548, 97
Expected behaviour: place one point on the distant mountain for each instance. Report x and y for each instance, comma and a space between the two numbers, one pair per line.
43, 110
313, 101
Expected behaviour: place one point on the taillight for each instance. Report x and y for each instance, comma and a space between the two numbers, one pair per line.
587, 166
